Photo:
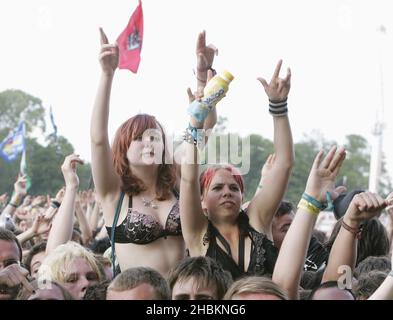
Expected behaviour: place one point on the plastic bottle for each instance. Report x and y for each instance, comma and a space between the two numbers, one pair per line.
214, 91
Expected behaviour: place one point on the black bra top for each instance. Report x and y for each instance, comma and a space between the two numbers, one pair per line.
140, 228
263, 254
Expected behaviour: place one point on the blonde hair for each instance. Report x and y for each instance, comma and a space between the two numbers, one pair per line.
56, 264
255, 285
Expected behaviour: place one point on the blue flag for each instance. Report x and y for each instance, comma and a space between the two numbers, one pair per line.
13, 144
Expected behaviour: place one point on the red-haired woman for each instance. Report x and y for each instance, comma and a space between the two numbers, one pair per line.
216, 226
135, 185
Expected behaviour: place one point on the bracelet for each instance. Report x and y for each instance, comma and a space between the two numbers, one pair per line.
55, 204
356, 231
187, 137
194, 136
309, 207
314, 201
278, 108
200, 80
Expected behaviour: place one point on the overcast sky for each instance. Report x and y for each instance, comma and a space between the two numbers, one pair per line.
50, 50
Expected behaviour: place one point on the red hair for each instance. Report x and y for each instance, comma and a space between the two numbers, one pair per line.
129, 131
206, 176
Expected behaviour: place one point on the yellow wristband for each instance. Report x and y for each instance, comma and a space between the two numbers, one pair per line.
309, 207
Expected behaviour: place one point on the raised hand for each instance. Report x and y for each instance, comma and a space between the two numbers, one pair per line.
41, 224
277, 90
323, 174
69, 170
205, 57
109, 55
364, 206
20, 186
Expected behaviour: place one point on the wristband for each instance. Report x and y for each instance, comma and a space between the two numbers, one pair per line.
278, 108
355, 231
194, 136
309, 207
314, 201
55, 204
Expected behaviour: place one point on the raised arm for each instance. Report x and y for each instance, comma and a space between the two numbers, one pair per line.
292, 255
205, 58
265, 204
194, 223
63, 223
40, 225
364, 206
106, 180
16, 199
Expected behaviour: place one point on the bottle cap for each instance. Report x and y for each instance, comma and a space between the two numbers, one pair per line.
227, 76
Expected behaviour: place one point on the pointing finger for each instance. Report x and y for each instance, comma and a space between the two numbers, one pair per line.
201, 42
104, 38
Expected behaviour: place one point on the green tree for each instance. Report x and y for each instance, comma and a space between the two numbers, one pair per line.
14, 104
355, 170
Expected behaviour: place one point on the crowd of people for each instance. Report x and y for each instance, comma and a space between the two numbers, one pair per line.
155, 229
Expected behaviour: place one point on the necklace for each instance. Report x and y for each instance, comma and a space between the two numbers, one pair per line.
149, 203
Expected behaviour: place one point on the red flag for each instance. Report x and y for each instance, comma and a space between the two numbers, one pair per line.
130, 42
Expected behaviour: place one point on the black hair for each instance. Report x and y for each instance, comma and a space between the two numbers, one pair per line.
7, 235
285, 208
368, 283
37, 248
97, 291
328, 284
372, 263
